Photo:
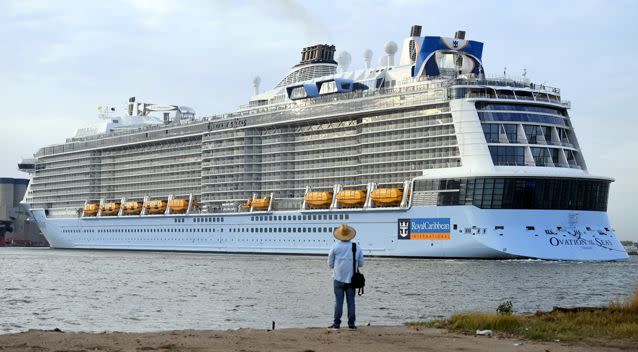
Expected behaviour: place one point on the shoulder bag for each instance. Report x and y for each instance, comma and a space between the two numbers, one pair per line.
358, 281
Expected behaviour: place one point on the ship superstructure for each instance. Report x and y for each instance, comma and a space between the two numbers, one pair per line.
427, 158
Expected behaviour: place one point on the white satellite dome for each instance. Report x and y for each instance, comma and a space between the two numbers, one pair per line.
390, 48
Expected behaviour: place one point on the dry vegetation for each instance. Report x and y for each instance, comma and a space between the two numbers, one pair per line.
617, 321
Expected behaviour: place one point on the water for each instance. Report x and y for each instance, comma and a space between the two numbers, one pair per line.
145, 291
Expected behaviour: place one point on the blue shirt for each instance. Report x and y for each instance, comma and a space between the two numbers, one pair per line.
340, 260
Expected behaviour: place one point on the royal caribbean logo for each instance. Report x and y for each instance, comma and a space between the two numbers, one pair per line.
424, 229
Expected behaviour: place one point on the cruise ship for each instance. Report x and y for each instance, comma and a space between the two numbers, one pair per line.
425, 157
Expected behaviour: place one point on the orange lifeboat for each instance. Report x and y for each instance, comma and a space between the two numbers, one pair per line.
110, 209
247, 205
261, 203
351, 198
179, 206
156, 206
132, 208
91, 209
387, 197
318, 200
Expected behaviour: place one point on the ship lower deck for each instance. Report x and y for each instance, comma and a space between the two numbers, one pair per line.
420, 231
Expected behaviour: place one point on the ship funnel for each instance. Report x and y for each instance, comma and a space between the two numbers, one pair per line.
322, 53
131, 106
459, 35
256, 82
390, 49
409, 49
367, 57
415, 31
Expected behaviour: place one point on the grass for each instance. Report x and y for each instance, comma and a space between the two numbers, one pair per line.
617, 321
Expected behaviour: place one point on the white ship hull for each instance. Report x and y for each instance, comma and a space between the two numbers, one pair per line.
421, 231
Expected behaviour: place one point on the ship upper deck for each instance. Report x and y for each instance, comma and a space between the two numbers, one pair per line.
414, 90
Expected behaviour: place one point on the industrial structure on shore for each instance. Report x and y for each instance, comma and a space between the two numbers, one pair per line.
17, 228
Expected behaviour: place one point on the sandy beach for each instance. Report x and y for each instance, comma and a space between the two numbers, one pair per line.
367, 338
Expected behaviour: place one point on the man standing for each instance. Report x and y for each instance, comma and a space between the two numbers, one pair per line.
340, 260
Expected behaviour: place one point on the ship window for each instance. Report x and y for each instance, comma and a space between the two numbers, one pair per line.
298, 93
347, 216
506, 155
526, 193
328, 87
289, 217
521, 117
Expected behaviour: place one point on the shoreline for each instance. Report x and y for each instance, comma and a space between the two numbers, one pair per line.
367, 338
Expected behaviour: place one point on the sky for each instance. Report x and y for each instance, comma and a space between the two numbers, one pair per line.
59, 60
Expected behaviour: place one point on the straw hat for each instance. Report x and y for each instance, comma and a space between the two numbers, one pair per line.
344, 233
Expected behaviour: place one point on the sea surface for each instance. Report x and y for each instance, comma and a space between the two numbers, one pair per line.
77, 290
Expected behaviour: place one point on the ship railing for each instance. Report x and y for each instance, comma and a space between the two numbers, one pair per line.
515, 163
491, 96
508, 82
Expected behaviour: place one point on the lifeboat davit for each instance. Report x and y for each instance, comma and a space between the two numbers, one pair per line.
387, 197
351, 198
91, 209
110, 209
318, 200
179, 206
132, 208
261, 203
156, 207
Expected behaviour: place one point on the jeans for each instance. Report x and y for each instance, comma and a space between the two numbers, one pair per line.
341, 289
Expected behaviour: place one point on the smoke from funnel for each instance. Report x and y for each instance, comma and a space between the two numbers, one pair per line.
313, 29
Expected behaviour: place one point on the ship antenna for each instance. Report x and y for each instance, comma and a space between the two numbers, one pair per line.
256, 82
344, 60
367, 58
